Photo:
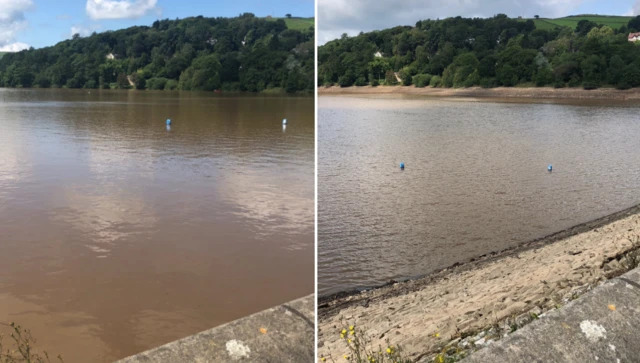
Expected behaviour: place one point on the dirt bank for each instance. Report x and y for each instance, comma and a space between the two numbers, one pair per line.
424, 315
500, 92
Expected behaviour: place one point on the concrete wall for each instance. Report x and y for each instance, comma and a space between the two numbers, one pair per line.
601, 326
281, 334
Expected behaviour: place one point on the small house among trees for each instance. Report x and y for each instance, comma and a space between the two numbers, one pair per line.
634, 37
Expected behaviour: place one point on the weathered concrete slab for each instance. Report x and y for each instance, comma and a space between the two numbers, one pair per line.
601, 326
281, 334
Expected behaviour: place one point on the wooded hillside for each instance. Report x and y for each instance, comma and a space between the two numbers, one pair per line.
498, 51
233, 54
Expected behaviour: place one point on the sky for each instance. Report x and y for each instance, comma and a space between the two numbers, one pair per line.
41, 23
336, 17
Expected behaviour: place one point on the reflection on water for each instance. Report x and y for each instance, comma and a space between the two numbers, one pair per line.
120, 233
475, 180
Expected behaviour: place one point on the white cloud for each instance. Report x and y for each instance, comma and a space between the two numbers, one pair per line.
14, 47
12, 21
635, 10
119, 9
336, 17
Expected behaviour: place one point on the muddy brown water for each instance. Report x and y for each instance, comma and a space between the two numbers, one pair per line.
118, 235
475, 179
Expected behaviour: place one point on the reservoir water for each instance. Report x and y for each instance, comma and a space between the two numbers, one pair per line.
475, 179
118, 234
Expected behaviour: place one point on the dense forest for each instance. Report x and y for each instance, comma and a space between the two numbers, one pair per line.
230, 54
498, 51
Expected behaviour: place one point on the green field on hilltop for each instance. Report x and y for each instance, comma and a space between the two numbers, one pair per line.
614, 22
297, 23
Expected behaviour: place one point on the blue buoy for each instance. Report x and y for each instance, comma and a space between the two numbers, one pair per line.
284, 122
168, 122
550, 168
402, 166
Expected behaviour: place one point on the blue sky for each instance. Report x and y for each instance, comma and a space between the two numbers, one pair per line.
40, 23
336, 17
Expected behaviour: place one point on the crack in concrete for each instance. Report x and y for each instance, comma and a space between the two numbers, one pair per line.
632, 283
301, 315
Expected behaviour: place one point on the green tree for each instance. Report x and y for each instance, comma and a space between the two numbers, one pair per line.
407, 80
292, 82
390, 78
584, 27
593, 69
507, 76
379, 67
600, 33
435, 81
202, 75
421, 80
122, 81
615, 70
544, 77
632, 75
634, 23
156, 83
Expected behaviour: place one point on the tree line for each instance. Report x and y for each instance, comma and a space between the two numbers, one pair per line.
245, 53
498, 51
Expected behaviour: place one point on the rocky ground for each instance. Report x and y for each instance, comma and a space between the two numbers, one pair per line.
461, 309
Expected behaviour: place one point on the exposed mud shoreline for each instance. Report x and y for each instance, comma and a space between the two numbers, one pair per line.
469, 297
499, 92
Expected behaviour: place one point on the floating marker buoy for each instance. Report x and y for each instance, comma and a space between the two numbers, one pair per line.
284, 127
550, 168
168, 122
168, 127
284, 122
402, 166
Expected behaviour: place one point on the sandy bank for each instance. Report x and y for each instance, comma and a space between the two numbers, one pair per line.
538, 276
500, 92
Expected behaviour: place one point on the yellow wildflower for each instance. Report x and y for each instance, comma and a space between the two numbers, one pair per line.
352, 332
344, 331
351, 327
323, 359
